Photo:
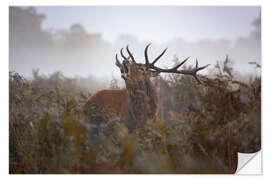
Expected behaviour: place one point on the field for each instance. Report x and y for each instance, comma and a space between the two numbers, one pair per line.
199, 128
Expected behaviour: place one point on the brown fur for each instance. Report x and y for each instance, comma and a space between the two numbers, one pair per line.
135, 104
110, 100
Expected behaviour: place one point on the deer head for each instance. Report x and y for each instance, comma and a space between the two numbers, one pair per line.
131, 71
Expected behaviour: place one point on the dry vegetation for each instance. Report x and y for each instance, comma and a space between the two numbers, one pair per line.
200, 128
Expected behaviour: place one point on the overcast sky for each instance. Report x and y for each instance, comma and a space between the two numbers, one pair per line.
91, 35
156, 24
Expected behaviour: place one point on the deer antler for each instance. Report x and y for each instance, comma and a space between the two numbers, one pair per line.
117, 62
192, 72
130, 55
146, 57
123, 56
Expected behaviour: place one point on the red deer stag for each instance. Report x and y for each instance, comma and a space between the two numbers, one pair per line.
138, 102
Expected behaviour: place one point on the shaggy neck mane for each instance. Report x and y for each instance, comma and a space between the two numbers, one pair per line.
143, 99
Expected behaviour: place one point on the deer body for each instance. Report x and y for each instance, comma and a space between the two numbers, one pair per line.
138, 102
110, 100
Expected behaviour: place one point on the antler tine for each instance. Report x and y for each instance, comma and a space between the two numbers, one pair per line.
149, 65
192, 72
176, 67
130, 55
146, 55
123, 56
159, 56
200, 68
117, 63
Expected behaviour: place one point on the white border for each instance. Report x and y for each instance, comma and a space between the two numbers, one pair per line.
138, 2
4, 75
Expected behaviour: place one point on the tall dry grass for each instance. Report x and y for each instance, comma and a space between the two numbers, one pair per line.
199, 129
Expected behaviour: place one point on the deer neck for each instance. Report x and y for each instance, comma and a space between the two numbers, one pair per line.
143, 99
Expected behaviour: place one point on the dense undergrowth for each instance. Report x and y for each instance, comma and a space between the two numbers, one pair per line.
199, 129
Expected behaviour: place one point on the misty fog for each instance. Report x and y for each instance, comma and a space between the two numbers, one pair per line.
76, 52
